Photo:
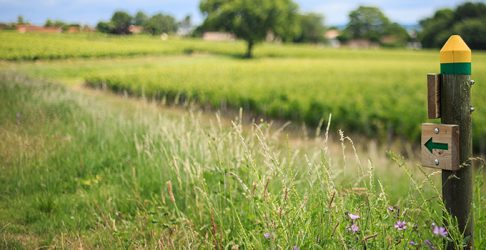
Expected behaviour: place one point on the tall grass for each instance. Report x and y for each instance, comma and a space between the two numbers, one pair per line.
92, 172
376, 93
378, 97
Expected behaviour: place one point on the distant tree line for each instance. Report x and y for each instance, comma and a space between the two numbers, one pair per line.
257, 20
13, 25
63, 25
156, 24
467, 20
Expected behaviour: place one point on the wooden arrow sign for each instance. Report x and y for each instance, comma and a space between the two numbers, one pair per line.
440, 146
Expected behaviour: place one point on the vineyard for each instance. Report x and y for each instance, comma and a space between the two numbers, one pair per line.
378, 98
18, 47
83, 168
376, 93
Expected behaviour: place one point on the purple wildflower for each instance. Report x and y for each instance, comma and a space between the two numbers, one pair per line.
401, 225
391, 209
412, 243
267, 235
353, 228
296, 248
440, 231
353, 217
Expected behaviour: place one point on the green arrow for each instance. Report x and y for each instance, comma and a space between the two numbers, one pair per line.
434, 145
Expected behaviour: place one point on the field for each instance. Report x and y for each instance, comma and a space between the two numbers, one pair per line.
85, 169
376, 93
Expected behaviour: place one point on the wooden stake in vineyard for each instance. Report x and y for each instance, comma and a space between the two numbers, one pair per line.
448, 146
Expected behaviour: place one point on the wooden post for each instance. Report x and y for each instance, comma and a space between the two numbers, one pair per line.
455, 108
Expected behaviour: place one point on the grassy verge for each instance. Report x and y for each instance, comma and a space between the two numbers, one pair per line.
81, 171
376, 93
378, 98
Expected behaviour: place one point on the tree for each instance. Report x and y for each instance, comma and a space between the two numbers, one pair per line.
186, 22
472, 30
140, 18
20, 20
185, 26
311, 28
367, 23
55, 23
121, 22
48, 23
104, 27
469, 10
251, 20
397, 34
160, 23
467, 20
435, 30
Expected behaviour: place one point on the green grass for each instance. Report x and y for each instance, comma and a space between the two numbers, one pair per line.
379, 97
99, 172
31, 46
380, 94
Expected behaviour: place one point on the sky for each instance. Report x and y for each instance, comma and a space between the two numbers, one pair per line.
91, 11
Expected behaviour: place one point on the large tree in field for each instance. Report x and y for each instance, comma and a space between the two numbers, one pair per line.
251, 20
140, 18
160, 23
121, 22
367, 23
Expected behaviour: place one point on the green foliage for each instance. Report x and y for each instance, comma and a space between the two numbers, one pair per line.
467, 20
121, 21
55, 23
395, 36
31, 46
367, 23
160, 23
435, 30
155, 25
311, 28
381, 95
20, 20
371, 24
60, 24
101, 172
105, 27
119, 24
140, 18
377, 93
473, 30
251, 20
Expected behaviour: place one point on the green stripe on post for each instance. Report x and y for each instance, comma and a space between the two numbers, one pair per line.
455, 68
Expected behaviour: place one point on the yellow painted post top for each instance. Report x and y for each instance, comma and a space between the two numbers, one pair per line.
455, 50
